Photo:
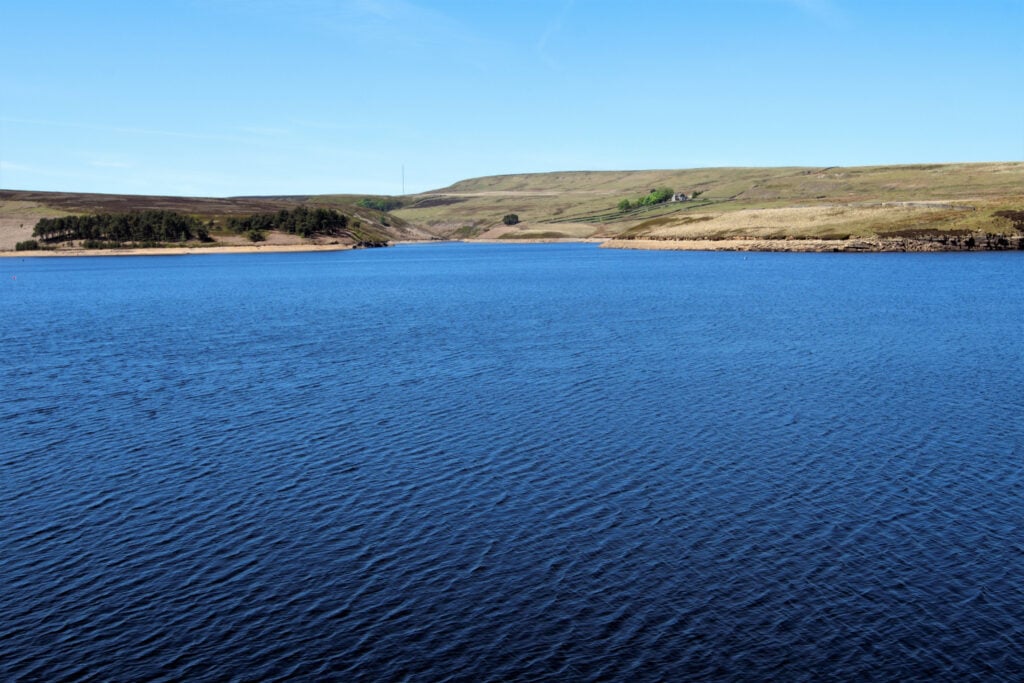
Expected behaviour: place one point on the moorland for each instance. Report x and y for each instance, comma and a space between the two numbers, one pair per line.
977, 206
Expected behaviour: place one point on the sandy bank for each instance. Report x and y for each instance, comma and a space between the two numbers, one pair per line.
537, 240
727, 245
784, 245
181, 251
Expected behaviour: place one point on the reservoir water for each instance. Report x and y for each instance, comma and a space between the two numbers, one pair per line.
512, 462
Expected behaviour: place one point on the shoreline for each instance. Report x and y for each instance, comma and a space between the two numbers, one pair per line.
851, 246
178, 251
869, 245
535, 240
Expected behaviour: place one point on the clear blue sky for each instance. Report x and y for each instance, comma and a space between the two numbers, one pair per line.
226, 97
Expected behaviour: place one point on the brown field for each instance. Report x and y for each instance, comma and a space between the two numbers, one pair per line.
836, 221
770, 202
926, 201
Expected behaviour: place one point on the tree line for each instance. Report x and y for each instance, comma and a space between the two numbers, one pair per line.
151, 226
298, 221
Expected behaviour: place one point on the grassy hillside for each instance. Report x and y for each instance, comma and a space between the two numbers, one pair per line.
21, 210
928, 201
734, 202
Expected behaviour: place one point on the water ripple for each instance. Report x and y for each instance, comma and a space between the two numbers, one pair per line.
512, 463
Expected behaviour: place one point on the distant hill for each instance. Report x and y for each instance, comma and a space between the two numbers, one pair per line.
20, 210
730, 202
927, 201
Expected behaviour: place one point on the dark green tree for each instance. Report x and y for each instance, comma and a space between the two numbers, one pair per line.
149, 226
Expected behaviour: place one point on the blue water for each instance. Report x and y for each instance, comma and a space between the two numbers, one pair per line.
512, 462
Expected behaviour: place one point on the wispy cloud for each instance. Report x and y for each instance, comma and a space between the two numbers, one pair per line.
551, 30
266, 131
103, 163
154, 132
14, 173
362, 127
389, 22
11, 166
826, 10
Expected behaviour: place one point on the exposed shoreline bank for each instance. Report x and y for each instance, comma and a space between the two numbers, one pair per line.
865, 245
179, 251
536, 240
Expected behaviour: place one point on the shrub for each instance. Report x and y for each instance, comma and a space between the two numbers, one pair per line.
380, 203
510, 219
658, 196
1015, 217
100, 244
256, 236
27, 245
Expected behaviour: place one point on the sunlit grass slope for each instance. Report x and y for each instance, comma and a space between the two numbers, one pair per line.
831, 202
